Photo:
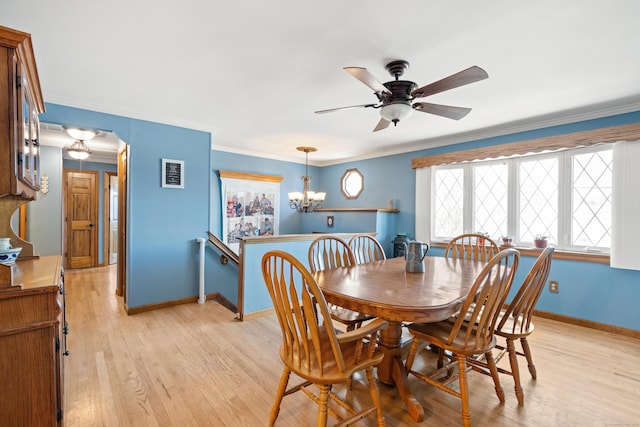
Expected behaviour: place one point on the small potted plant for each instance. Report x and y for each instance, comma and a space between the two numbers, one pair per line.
540, 241
481, 239
507, 241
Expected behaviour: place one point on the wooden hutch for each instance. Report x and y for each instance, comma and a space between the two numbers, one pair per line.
32, 320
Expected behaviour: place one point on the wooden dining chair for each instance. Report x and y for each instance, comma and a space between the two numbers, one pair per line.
328, 252
469, 333
515, 322
366, 248
314, 352
472, 246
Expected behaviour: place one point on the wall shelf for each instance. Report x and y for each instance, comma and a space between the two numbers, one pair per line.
390, 210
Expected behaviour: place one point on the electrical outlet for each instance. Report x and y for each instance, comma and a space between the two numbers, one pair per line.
553, 286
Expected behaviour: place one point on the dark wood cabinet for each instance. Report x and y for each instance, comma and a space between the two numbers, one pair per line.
20, 104
33, 332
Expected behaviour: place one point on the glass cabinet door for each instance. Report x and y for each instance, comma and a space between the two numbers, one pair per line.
35, 146
26, 129
29, 148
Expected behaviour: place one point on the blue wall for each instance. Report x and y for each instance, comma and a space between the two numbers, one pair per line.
385, 178
588, 291
223, 279
44, 215
391, 177
164, 223
290, 172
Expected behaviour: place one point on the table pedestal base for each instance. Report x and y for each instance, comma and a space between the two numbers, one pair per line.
392, 370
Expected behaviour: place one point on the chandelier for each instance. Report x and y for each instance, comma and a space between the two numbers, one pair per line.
307, 200
79, 150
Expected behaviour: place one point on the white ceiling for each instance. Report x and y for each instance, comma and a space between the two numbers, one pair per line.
103, 147
253, 72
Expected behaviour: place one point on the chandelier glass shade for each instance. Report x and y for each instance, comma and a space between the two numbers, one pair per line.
306, 200
78, 150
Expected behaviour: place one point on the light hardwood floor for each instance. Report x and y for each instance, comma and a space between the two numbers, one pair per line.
194, 365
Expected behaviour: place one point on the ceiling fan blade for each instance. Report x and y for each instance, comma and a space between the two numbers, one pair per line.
382, 124
367, 78
470, 75
455, 113
331, 110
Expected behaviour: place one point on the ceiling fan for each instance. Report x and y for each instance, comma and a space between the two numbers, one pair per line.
395, 97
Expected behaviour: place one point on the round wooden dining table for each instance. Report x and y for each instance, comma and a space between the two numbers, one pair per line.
384, 289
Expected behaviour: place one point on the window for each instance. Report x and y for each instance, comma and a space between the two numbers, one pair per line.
538, 189
490, 198
352, 183
449, 201
564, 195
591, 199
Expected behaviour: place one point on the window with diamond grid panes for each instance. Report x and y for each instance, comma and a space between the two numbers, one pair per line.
565, 196
448, 202
591, 199
538, 198
490, 197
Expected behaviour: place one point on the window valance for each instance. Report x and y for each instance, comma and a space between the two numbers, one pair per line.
629, 132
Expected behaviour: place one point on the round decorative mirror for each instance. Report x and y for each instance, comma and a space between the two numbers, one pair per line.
352, 183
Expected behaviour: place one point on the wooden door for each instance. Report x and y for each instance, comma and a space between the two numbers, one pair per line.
123, 167
81, 207
22, 223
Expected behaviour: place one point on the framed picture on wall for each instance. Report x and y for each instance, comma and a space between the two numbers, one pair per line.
250, 206
172, 173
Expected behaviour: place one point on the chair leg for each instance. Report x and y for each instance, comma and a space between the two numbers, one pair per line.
282, 387
375, 396
440, 358
515, 370
464, 391
527, 353
323, 402
412, 353
491, 362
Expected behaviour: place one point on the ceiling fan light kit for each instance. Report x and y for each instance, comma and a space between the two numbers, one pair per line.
395, 97
396, 112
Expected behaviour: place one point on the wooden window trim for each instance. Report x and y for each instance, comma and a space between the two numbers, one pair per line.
342, 184
628, 132
249, 176
558, 254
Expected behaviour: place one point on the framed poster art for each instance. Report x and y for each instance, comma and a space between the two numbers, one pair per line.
172, 173
250, 206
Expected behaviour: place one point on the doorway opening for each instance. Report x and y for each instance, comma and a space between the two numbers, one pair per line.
110, 217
